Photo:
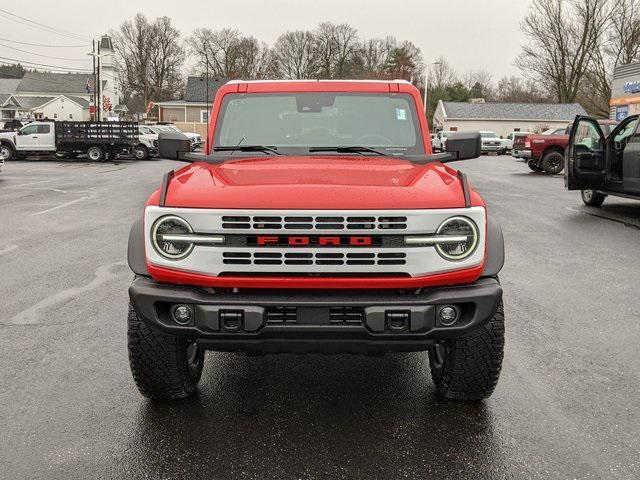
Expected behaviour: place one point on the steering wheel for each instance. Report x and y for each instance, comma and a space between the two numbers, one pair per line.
373, 136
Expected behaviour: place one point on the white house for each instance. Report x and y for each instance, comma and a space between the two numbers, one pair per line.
61, 96
504, 118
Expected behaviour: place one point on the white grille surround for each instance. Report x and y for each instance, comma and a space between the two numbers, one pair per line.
417, 261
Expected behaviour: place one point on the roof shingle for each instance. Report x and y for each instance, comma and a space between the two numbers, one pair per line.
513, 111
60, 83
196, 89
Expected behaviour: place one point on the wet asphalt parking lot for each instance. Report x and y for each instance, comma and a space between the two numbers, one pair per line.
567, 405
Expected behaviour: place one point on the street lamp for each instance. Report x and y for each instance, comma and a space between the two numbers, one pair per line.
426, 86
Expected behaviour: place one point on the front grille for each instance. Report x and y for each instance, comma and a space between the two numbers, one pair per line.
333, 315
346, 315
313, 223
304, 258
281, 315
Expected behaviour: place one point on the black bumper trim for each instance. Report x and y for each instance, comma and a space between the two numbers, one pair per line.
478, 303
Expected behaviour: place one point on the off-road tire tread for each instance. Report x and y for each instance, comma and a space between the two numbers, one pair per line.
158, 361
545, 162
472, 366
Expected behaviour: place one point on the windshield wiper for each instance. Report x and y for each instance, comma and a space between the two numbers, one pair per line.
349, 149
248, 148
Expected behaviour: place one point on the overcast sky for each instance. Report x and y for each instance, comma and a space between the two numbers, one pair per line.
471, 34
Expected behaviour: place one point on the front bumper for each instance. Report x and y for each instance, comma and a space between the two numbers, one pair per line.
268, 321
524, 154
492, 148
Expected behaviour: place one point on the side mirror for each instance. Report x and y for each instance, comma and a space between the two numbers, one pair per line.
464, 145
173, 145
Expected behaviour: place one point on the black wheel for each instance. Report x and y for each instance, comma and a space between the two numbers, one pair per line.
6, 152
592, 198
96, 153
553, 162
535, 166
468, 368
140, 152
163, 366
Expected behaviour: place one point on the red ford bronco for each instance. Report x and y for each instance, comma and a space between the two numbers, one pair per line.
318, 220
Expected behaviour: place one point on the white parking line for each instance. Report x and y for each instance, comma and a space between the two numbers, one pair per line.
64, 205
8, 249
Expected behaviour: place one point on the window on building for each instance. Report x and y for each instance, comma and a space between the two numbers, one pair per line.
453, 129
516, 129
55, 115
71, 116
204, 116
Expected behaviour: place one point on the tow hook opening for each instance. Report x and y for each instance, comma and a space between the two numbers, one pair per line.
397, 321
231, 320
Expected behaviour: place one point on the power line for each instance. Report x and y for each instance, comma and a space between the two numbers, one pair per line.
43, 65
41, 44
41, 55
44, 80
41, 26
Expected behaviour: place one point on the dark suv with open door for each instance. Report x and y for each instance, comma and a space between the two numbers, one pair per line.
601, 165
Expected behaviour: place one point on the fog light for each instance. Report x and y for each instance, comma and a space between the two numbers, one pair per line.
182, 314
448, 315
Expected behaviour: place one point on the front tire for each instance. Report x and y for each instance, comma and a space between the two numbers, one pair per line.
140, 152
553, 162
6, 152
96, 154
534, 166
468, 368
592, 198
163, 366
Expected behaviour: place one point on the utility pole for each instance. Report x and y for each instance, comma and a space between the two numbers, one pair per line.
95, 81
99, 89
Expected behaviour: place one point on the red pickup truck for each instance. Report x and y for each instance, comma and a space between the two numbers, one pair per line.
545, 152
317, 220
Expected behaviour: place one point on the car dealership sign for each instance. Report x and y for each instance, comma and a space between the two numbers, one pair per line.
632, 87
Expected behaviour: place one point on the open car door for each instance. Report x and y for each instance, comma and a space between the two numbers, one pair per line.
586, 155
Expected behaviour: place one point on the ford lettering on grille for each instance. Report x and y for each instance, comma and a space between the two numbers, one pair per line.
312, 241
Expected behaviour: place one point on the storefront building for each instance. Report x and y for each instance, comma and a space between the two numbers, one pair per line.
625, 91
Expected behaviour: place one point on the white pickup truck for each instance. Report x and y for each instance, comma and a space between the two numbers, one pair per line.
98, 140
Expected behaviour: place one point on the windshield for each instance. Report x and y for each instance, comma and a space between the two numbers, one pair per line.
488, 134
294, 121
146, 130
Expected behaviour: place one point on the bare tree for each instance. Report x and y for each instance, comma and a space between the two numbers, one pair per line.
373, 54
167, 58
134, 51
563, 36
620, 45
516, 90
336, 49
441, 74
295, 55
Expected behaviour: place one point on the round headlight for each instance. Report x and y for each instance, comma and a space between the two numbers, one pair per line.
171, 225
457, 226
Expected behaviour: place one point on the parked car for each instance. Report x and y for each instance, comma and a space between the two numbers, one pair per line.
194, 138
545, 152
255, 248
148, 146
99, 140
491, 142
509, 140
601, 164
440, 141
